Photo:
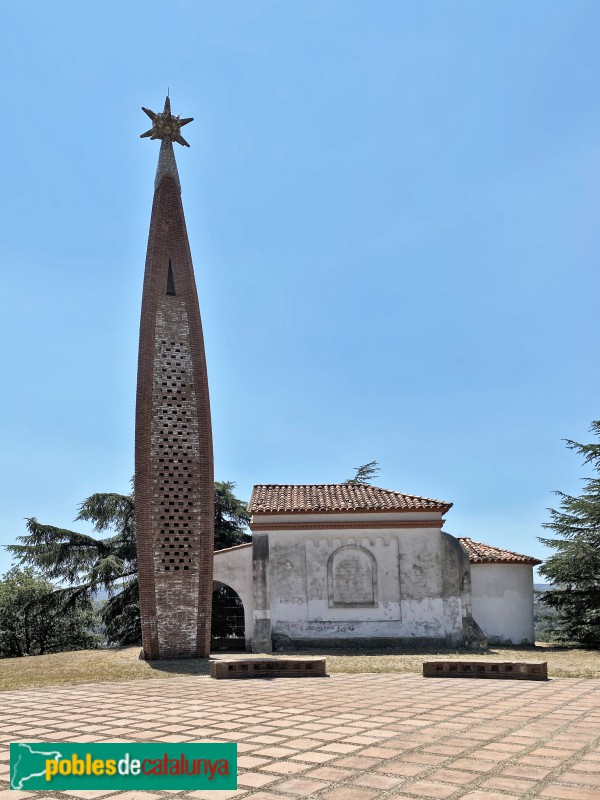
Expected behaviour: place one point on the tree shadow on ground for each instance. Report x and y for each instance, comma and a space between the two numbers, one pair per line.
182, 666
201, 666
421, 649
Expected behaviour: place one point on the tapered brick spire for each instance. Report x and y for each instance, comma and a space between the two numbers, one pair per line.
174, 489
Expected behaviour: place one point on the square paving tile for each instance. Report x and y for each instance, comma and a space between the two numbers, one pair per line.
210, 794
432, 790
302, 787
509, 784
313, 757
557, 792
453, 776
330, 773
255, 779
376, 781
480, 794
350, 793
285, 767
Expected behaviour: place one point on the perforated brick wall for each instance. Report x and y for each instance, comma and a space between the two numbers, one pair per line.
174, 439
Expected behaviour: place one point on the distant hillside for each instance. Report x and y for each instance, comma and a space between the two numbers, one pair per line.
545, 618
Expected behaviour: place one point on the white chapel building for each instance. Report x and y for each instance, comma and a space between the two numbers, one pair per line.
333, 565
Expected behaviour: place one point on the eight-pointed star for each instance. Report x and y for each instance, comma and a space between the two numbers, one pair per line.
166, 125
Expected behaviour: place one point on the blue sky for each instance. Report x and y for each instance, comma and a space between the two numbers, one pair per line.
394, 214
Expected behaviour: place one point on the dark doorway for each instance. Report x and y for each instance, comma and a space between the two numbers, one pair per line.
228, 627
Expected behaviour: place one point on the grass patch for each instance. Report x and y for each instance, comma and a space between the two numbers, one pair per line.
123, 664
563, 662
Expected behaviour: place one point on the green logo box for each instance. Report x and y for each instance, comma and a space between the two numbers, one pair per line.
119, 766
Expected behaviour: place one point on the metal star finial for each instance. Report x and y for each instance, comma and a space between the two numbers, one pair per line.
166, 125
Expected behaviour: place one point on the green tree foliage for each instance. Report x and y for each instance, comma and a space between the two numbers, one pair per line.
86, 564
231, 517
574, 569
33, 623
545, 619
365, 473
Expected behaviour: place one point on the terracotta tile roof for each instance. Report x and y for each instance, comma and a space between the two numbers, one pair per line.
324, 497
480, 553
235, 547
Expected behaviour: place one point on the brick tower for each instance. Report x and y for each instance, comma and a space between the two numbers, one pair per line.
174, 490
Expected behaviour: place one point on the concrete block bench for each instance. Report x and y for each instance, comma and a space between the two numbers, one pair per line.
515, 670
267, 668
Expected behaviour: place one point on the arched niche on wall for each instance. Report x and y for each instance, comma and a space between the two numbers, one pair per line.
352, 578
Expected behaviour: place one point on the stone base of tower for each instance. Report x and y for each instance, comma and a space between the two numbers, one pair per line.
171, 653
176, 638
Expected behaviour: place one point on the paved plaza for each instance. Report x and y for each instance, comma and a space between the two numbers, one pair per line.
346, 737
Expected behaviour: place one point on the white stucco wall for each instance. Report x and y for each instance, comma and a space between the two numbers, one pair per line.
413, 595
233, 567
413, 582
503, 601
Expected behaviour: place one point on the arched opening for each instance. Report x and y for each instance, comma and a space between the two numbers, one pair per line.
227, 626
352, 578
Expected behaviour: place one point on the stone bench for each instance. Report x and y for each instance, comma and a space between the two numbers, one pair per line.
519, 670
268, 668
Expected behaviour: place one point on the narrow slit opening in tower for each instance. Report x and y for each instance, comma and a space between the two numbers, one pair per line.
170, 281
